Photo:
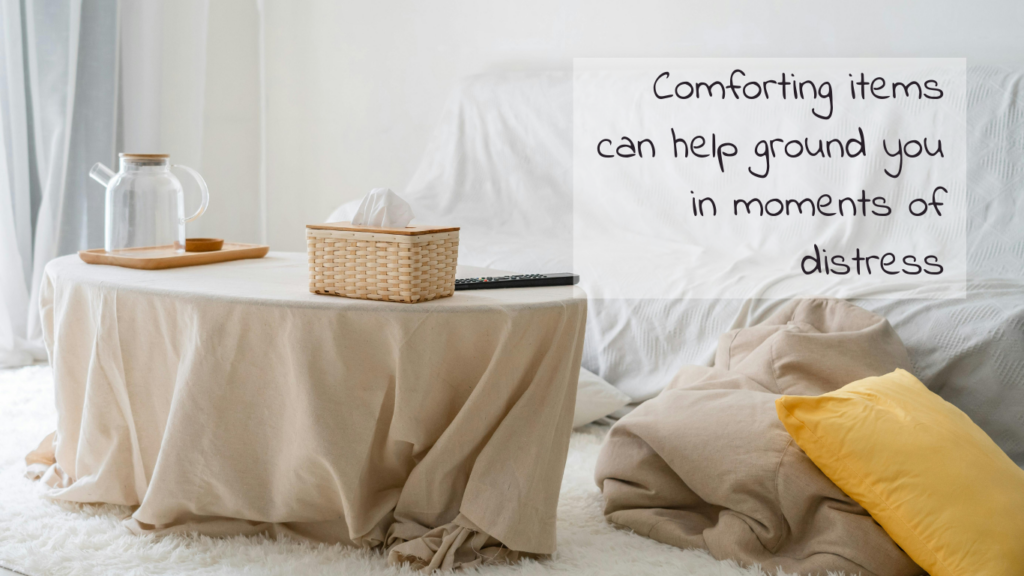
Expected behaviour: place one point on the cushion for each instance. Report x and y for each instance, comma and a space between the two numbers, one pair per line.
595, 399
932, 478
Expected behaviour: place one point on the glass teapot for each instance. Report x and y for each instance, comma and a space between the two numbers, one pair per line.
145, 202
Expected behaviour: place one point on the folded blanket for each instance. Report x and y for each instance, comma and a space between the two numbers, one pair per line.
707, 464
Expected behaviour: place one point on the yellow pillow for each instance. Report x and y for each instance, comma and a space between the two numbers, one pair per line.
934, 481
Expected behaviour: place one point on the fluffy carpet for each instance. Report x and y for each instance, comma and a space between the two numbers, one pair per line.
39, 537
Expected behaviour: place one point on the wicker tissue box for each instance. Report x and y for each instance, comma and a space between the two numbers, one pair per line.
413, 264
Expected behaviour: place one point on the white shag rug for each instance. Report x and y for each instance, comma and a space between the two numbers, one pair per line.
39, 537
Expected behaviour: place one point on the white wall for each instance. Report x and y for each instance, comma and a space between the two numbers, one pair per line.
355, 88
163, 84
231, 124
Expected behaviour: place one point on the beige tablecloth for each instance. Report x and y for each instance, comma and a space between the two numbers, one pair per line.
228, 399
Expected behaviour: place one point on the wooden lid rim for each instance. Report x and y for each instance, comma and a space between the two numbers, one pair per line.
407, 231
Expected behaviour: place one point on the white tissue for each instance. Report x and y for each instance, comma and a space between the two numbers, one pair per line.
384, 209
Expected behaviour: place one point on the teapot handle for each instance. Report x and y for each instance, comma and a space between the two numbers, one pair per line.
202, 187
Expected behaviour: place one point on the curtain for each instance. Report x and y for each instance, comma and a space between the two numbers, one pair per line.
49, 117
81, 80
15, 199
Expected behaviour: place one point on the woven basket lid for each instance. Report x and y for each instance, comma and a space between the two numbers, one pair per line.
407, 231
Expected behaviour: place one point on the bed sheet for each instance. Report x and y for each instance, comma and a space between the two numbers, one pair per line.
500, 166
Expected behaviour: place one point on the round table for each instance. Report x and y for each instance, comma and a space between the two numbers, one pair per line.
227, 399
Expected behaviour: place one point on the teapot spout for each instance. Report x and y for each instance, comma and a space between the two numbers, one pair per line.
101, 174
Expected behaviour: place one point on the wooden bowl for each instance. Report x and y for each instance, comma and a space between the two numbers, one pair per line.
203, 244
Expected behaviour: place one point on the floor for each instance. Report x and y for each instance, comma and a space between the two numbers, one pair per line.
47, 538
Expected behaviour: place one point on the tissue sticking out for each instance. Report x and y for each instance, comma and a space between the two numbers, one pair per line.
384, 209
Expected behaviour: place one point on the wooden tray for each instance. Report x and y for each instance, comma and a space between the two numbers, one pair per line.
161, 257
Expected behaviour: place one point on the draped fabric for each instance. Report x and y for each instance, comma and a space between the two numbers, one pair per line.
707, 464
226, 400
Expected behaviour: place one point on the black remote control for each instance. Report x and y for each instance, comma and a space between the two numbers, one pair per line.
516, 281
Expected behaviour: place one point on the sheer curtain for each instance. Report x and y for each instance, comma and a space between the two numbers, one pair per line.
81, 80
59, 68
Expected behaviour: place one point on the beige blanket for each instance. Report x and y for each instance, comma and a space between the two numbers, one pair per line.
707, 464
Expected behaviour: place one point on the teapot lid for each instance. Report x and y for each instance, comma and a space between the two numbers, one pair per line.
144, 156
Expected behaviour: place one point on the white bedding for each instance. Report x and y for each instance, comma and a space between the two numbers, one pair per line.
500, 166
